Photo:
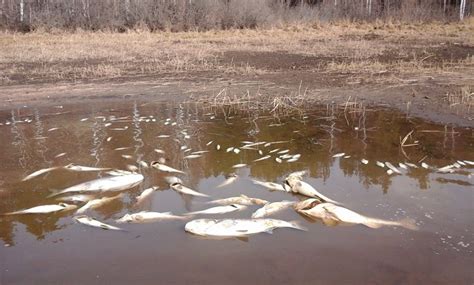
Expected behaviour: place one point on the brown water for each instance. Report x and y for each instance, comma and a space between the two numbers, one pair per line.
53, 249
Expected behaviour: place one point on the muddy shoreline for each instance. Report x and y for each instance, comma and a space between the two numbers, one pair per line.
424, 97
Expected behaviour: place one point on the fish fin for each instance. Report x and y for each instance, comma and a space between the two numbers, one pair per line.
409, 223
243, 238
297, 225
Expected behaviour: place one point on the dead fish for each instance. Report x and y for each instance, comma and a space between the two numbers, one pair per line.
119, 129
411, 165
270, 185
105, 184
218, 147
254, 144
96, 203
80, 168
39, 172
262, 158
402, 165
347, 156
274, 150
292, 159
132, 168
53, 129
84, 119
163, 136
178, 187
160, 151
283, 151
199, 152
277, 159
148, 217
83, 219
424, 165
460, 162
260, 152
236, 227
389, 171
229, 149
242, 200
236, 150
145, 194
239, 165
143, 164
44, 209
332, 214
165, 168
469, 162
294, 184
286, 156
339, 154
271, 208
121, 148
192, 156
109, 139
380, 164
126, 156
230, 178
219, 210
393, 168
209, 143
364, 161
76, 198
183, 147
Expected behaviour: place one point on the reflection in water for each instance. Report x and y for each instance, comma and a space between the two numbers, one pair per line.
361, 133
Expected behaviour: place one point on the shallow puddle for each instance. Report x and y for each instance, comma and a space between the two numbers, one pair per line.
54, 249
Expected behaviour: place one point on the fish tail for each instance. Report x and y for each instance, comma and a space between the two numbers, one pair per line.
408, 223
405, 223
297, 225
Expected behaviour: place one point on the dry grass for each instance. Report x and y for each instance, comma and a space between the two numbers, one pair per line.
354, 47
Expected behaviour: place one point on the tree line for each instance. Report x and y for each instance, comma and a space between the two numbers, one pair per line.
184, 15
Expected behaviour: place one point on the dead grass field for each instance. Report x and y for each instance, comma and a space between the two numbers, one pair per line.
416, 67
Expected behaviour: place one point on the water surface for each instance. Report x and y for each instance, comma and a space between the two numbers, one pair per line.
53, 249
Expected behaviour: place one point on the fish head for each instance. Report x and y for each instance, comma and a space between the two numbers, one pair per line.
67, 207
199, 227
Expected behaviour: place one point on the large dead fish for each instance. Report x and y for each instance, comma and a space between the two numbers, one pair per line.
105, 184
165, 168
271, 208
295, 185
44, 209
96, 203
332, 214
83, 219
178, 187
270, 185
148, 217
219, 210
236, 228
242, 200
230, 178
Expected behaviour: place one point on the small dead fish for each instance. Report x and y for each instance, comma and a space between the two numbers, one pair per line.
143, 164
262, 158
109, 139
469, 162
283, 151
119, 129
424, 165
183, 147
271, 208
145, 194
402, 165
380, 164
242, 200
191, 156
76, 198
277, 159
339, 154
270, 185
393, 168
39, 172
260, 152
44, 209
126, 156
229, 149
254, 144
236, 150
83, 219
293, 159
460, 162
199, 152
239, 165
230, 178
163, 136
219, 210
178, 187
389, 171
218, 147
347, 156
80, 168
121, 148
148, 217
364, 161
209, 143
165, 168
105, 184
411, 165
160, 151
96, 203
274, 150
236, 227
84, 119
53, 129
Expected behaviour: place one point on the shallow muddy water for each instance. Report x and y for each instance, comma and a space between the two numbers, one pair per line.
54, 249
